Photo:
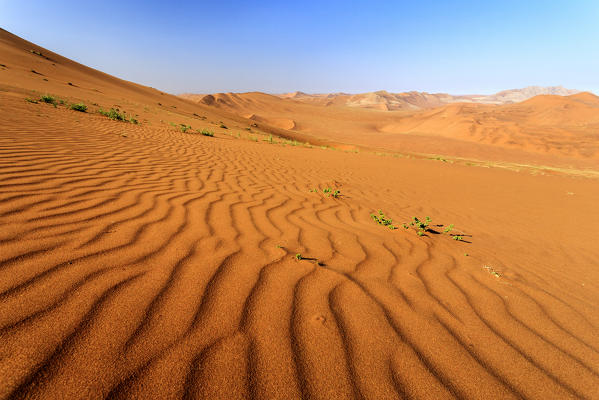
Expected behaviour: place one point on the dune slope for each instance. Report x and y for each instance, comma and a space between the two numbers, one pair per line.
139, 261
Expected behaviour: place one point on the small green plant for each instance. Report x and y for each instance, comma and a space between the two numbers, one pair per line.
459, 238
79, 107
314, 190
448, 229
382, 219
421, 226
207, 132
269, 139
30, 100
184, 128
48, 99
492, 271
299, 257
113, 114
223, 126
329, 191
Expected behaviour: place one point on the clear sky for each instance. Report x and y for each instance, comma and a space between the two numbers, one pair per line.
456, 46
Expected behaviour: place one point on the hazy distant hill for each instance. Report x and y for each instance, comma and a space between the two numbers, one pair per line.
384, 100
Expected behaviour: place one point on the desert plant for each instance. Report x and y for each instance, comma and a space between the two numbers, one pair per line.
382, 219
79, 107
184, 128
299, 257
421, 226
448, 229
48, 99
30, 100
223, 126
113, 114
207, 132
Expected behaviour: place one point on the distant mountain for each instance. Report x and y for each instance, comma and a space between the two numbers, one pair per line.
383, 100
518, 95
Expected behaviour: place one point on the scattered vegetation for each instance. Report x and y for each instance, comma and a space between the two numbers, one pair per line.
329, 191
492, 271
184, 128
79, 107
421, 226
207, 132
48, 99
382, 219
117, 115
30, 100
113, 114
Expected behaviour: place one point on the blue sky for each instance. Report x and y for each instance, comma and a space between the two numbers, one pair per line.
322, 46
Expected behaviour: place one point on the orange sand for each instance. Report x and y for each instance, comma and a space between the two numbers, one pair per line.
138, 261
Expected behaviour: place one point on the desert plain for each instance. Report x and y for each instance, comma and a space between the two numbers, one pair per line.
260, 246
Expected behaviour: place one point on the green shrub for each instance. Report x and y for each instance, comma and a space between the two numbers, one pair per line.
207, 132
48, 99
79, 107
116, 115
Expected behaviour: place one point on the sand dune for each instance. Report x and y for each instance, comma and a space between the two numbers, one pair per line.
140, 261
546, 129
543, 124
